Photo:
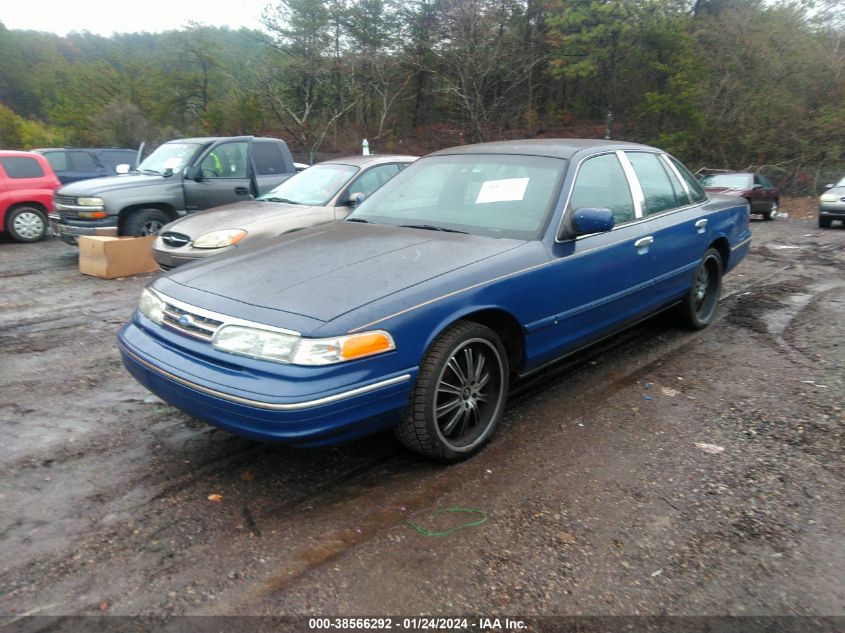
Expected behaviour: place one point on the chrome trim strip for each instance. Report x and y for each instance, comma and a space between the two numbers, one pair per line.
269, 406
681, 179
634, 185
741, 244
217, 316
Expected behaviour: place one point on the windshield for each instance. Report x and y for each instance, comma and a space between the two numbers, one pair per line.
841, 183
495, 195
314, 186
173, 156
727, 181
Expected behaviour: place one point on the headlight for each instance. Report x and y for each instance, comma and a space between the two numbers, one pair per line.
295, 350
151, 306
827, 197
219, 239
89, 202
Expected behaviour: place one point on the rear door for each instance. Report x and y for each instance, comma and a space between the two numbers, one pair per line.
224, 176
272, 164
672, 213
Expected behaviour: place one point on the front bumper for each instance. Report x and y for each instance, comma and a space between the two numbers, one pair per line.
331, 416
70, 232
171, 258
832, 210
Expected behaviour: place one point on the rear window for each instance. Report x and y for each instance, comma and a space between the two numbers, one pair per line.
269, 158
57, 160
21, 167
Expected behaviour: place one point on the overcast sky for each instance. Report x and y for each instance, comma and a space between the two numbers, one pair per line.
105, 17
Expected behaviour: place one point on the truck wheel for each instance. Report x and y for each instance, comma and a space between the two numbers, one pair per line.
145, 222
26, 223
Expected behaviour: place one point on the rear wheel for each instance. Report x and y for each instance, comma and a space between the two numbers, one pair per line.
26, 223
773, 212
459, 396
699, 305
145, 222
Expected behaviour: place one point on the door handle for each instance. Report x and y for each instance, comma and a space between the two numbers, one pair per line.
643, 242
242, 191
701, 224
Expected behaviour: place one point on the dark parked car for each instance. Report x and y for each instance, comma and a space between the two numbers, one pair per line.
832, 205
83, 163
177, 178
473, 267
762, 196
26, 194
328, 191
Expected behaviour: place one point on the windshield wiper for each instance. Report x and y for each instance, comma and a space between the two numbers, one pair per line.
150, 171
361, 220
279, 200
431, 227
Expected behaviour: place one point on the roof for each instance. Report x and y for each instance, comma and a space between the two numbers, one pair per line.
359, 159
553, 147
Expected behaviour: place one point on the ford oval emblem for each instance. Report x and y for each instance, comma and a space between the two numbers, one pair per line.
185, 320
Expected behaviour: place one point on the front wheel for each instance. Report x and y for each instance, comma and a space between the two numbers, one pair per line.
459, 396
699, 305
824, 223
145, 222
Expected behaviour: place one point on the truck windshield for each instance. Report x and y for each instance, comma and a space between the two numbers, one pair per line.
173, 156
314, 186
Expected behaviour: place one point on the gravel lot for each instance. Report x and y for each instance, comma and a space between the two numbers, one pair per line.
663, 472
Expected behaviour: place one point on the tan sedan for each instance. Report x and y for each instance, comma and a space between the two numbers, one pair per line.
325, 192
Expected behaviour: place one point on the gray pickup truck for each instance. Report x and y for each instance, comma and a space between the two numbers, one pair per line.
177, 178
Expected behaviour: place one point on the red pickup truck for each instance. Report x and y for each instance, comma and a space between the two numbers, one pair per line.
27, 183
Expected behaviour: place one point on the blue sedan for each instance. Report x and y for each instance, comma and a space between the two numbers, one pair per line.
472, 268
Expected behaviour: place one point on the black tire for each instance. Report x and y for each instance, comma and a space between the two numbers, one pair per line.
699, 305
26, 223
145, 222
469, 393
824, 223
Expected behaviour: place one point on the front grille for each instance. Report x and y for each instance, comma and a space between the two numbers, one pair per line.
190, 323
175, 240
68, 200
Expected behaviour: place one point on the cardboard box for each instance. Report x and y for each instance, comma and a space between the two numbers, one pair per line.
110, 257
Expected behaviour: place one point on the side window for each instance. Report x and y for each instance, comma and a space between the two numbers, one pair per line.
83, 161
228, 160
659, 193
21, 167
767, 184
601, 183
269, 158
57, 160
373, 178
695, 191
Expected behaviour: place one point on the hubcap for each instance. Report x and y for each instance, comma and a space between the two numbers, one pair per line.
28, 225
469, 393
705, 289
151, 227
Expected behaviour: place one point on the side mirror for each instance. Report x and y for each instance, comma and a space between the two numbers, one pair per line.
592, 220
356, 198
194, 172
123, 168
830, 186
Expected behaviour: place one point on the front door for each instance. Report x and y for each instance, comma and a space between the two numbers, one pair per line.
223, 177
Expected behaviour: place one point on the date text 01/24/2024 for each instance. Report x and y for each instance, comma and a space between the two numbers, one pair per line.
417, 624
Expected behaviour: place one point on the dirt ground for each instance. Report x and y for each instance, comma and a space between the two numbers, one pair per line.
663, 472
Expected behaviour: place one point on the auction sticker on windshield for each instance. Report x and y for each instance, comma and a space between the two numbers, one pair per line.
506, 190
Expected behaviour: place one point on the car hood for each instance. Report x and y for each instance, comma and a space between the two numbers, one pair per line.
97, 186
238, 215
836, 191
327, 271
